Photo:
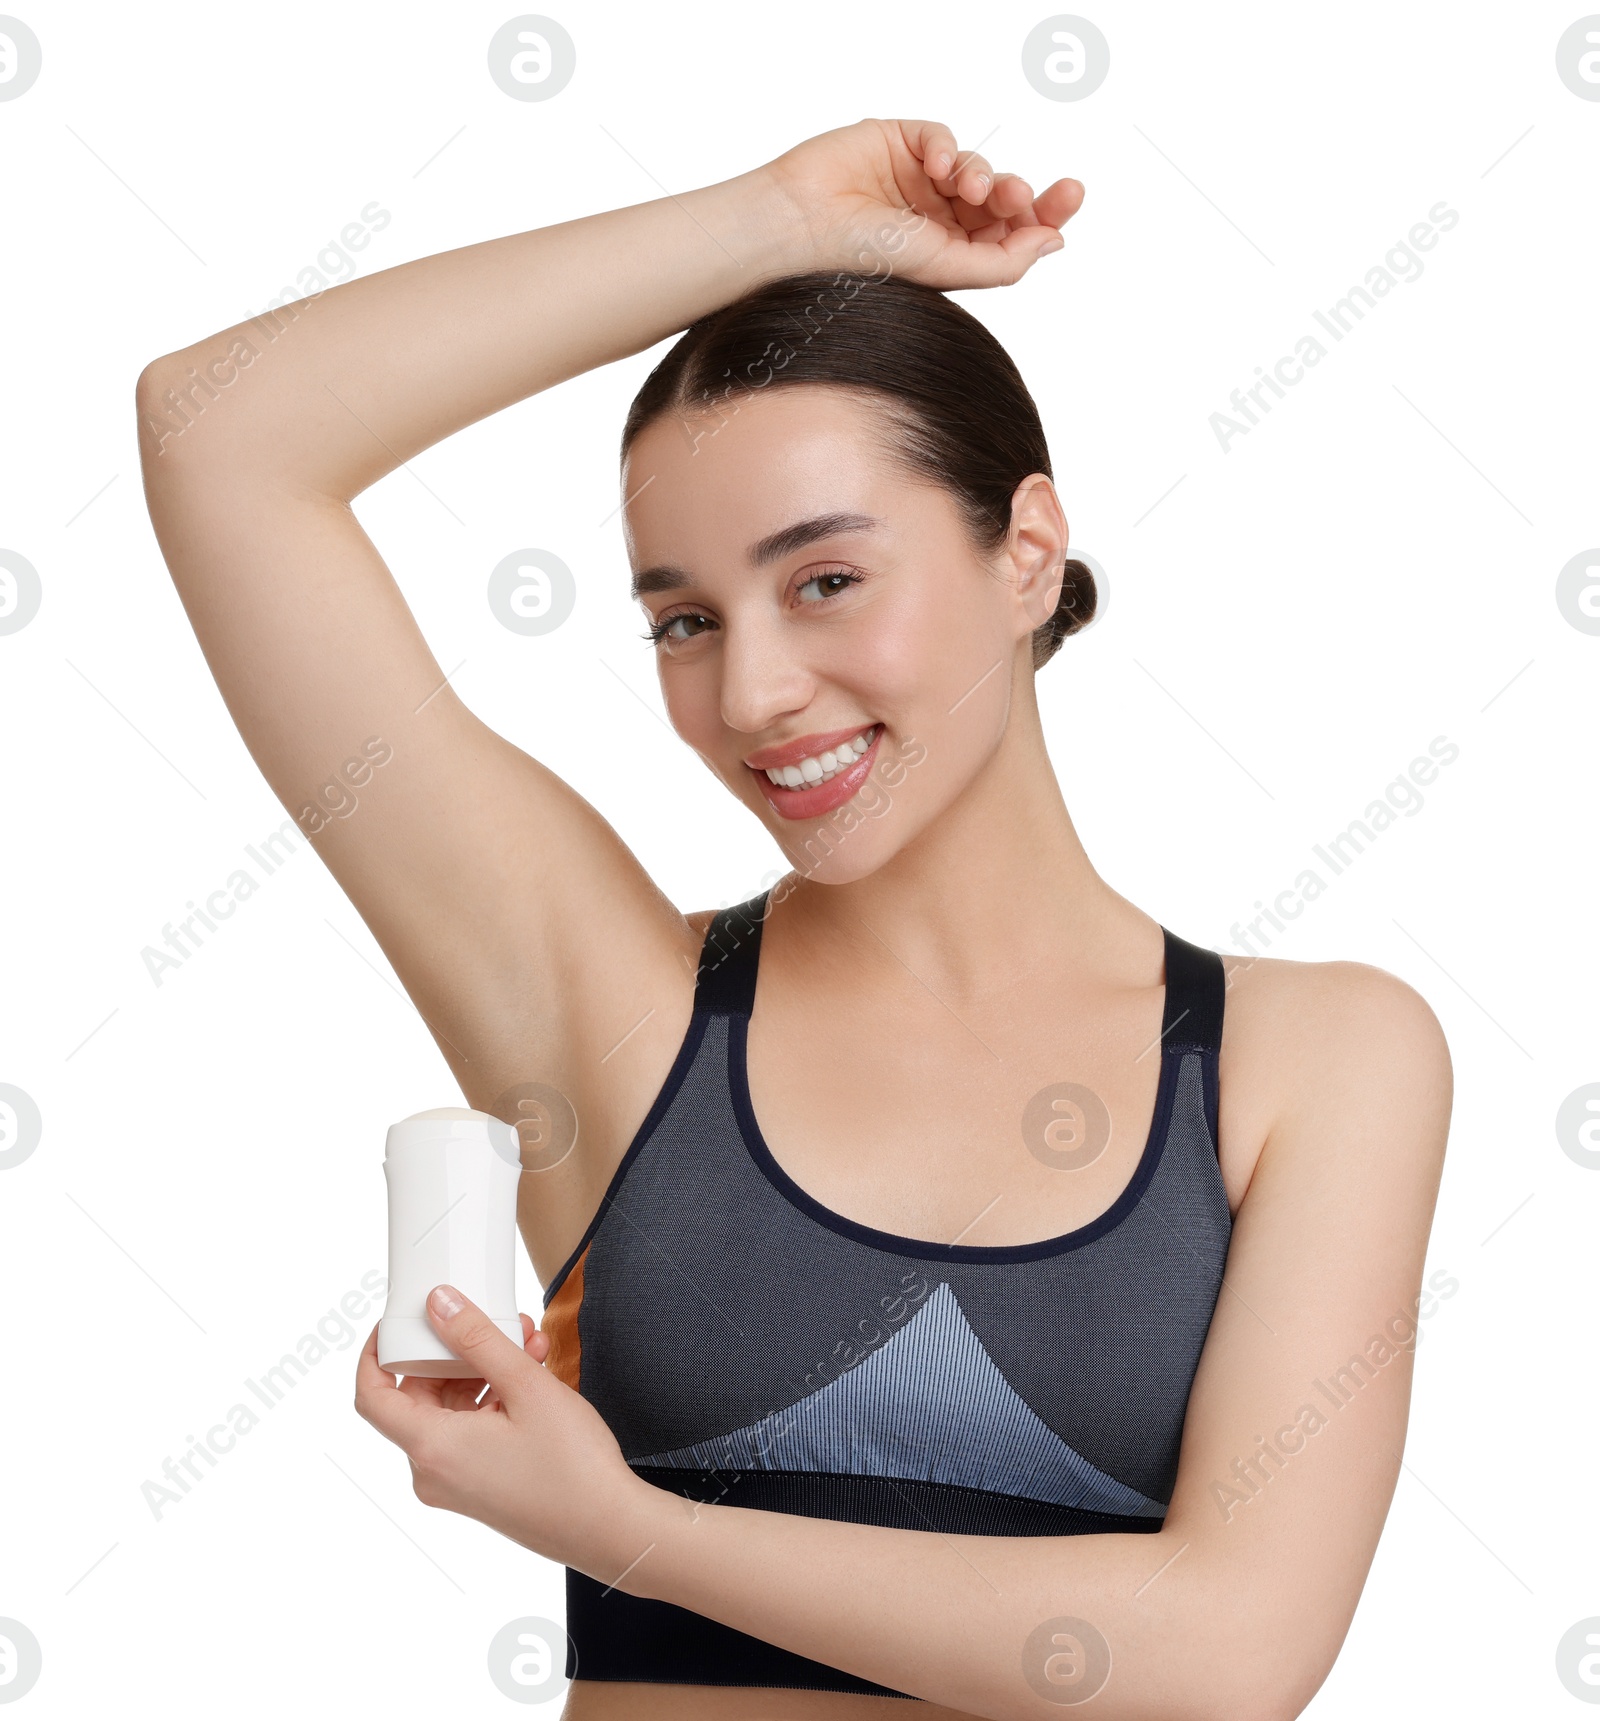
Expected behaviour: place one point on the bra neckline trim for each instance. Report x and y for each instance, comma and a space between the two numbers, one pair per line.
688, 1051
924, 1248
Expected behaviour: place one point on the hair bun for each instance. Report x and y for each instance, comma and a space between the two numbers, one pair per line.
1073, 612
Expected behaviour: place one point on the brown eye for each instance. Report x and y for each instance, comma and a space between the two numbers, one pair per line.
666, 630
829, 584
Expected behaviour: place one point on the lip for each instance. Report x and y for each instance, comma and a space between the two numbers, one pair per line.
792, 752
813, 802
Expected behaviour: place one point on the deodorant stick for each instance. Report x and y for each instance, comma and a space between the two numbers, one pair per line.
452, 1176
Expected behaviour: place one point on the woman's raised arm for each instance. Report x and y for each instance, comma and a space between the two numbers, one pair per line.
507, 905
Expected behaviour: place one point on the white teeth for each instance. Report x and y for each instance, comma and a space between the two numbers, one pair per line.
820, 769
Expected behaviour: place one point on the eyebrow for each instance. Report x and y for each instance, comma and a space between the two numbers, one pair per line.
664, 577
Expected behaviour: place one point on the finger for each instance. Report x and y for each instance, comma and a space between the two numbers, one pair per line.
461, 1392
422, 1389
973, 178
1057, 204
982, 224
964, 174
973, 217
978, 225
534, 1342
398, 1415
934, 145
473, 1337
1012, 201
1012, 197
995, 263
1016, 254
1008, 207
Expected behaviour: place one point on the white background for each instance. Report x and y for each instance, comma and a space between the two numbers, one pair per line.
1374, 565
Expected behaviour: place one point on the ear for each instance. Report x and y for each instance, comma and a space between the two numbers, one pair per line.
1036, 550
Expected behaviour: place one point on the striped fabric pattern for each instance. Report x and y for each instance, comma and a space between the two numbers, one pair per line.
930, 1406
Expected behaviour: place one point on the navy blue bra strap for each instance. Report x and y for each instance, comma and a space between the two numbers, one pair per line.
726, 981
1192, 1017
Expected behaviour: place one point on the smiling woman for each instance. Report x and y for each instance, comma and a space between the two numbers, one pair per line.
938, 410
886, 1355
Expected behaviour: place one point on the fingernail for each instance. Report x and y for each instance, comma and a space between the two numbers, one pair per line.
447, 1301
1051, 245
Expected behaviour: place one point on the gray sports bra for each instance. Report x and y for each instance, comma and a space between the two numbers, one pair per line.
751, 1347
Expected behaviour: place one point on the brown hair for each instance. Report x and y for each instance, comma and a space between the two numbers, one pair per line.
956, 409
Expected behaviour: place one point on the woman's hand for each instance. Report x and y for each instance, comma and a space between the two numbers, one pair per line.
535, 1460
898, 195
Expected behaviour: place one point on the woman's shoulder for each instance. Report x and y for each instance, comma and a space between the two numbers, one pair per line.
1335, 1008
1319, 1052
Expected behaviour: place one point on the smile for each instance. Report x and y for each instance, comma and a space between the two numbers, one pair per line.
822, 767
808, 784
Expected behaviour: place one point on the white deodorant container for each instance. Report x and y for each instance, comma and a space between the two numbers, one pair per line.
452, 1176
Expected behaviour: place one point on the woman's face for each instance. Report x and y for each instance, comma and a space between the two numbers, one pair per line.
822, 616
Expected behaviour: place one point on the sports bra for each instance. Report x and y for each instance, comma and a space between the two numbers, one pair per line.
749, 1346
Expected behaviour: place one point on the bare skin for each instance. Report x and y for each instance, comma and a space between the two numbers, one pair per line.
941, 965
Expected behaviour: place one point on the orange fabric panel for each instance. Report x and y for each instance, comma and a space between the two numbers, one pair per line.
560, 1325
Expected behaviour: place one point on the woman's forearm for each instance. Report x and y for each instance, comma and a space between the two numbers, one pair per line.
999, 1626
333, 393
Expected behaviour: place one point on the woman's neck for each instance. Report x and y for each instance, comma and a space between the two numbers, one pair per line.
998, 886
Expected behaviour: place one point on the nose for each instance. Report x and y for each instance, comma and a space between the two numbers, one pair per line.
763, 680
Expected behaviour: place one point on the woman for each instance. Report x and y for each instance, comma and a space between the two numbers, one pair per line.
859, 1402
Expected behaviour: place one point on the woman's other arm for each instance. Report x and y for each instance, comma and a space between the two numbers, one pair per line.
1237, 1608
